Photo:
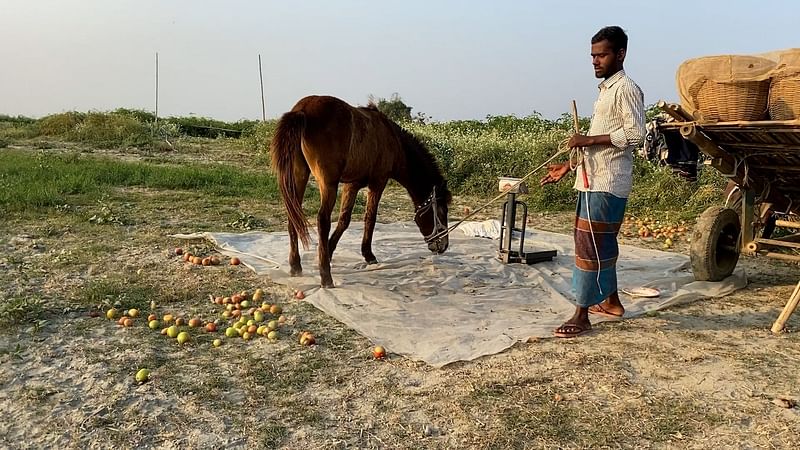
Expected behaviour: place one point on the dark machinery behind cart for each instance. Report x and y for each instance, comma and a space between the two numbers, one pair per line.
762, 158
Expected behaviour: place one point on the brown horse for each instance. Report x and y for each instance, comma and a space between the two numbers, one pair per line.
359, 147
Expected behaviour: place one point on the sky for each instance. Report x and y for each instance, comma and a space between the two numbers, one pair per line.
447, 59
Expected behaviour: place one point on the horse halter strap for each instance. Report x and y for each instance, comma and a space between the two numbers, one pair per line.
430, 205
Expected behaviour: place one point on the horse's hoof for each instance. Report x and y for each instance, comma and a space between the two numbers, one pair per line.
327, 285
295, 273
372, 261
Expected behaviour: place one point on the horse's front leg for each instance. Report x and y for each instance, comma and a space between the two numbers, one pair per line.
349, 194
327, 193
370, 216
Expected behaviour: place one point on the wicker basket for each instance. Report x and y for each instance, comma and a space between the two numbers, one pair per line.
784, 97
725, 88
728, 102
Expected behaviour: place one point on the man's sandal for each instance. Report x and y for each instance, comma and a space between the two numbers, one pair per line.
571, 330
600, 311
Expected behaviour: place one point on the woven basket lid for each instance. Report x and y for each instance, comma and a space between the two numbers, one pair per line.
720, 69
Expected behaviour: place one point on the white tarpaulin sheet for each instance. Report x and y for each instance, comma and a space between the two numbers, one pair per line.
465, 303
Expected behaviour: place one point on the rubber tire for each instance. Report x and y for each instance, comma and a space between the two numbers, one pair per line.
718, 226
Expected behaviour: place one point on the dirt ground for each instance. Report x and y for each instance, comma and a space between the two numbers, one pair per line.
704, 375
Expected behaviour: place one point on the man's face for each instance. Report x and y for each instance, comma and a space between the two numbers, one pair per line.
606, 62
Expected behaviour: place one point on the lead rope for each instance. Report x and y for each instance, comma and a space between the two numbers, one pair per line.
574, 154
562, 148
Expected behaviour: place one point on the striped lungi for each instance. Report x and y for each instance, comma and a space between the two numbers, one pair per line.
597, 221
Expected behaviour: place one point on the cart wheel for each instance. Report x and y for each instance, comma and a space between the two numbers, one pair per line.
715, 244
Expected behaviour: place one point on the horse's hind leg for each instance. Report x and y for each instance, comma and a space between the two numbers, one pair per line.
370, 216
301, 173
327, 194
349, 195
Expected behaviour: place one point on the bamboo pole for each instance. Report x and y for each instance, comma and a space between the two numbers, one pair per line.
722, 160
577, 131
740, 127
782, 256
791, 147
676, 111
261, 80
789, 238
791, 305
758, 123
777, 243
156, 121
777, 168
787, 224
575, 117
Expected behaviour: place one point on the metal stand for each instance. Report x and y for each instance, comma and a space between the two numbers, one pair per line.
508, 227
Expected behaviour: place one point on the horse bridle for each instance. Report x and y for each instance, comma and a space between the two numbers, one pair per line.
430, 204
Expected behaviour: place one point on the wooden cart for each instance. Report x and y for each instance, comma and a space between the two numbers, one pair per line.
763, 159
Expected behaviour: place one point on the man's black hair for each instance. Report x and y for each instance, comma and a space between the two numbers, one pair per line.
614, 35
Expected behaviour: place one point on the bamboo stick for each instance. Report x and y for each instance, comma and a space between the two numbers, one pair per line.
791, 305
156, 114
723, 160
730, 127
774, 167
575, 117
759, 145
766, 123
777, 243
782, 256
577, 131
790, 238
764, 128
261, 81
787, 224
676, 111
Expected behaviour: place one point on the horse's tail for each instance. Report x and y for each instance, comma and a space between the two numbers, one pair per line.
285, 148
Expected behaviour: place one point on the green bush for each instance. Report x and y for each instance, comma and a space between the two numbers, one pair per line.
474, 154
258, 137
60, 124
110, 130
658, 189
4, 118
211, 128
138, 114
122, 127
16, 131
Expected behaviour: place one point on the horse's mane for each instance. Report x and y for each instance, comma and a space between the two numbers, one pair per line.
420, 156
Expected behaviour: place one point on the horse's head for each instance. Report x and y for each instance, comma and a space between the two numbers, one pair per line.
431, 218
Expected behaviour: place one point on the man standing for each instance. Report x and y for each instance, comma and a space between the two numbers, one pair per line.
604, 166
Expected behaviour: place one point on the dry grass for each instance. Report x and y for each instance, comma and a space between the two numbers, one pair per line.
696, 376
